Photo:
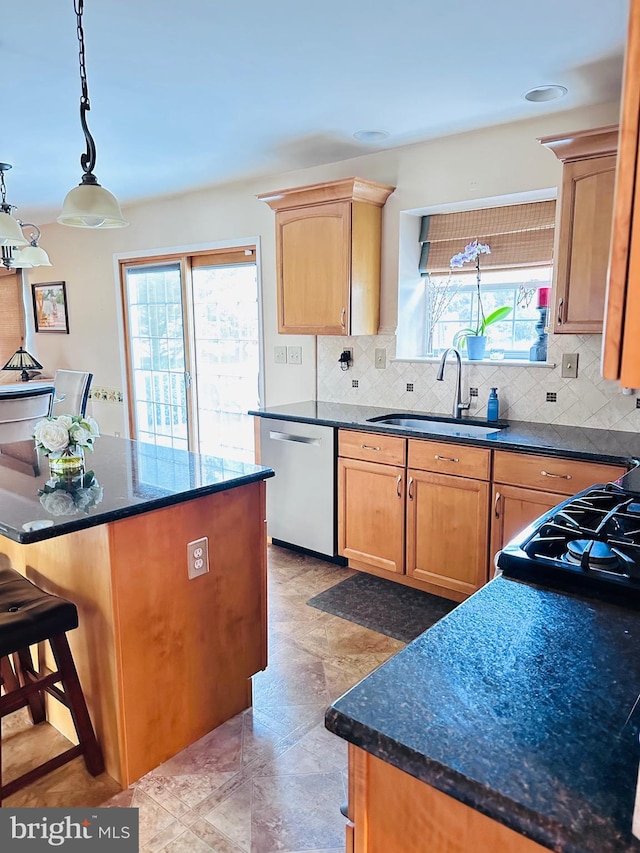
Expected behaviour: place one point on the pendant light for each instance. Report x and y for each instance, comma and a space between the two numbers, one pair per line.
89, 205
18, 251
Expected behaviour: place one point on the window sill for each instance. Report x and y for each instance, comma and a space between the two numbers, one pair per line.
495, 362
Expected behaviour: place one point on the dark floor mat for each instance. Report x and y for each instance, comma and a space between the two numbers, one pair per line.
390, 608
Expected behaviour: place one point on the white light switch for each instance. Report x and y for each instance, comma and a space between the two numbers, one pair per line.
198, 557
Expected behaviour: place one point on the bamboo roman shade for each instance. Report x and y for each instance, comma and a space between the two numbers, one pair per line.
11, 312
520, 235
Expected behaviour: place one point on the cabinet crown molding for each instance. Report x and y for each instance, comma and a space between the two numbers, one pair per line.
583, 144
345, 189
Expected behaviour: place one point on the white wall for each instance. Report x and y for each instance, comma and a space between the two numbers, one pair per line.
492, 162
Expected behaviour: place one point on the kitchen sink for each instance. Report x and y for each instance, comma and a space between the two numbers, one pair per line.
457, 428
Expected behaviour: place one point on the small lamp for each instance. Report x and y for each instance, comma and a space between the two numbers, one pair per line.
24, 361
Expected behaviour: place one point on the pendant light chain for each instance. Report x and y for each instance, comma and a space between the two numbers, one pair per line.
88, 158
78, 6
3, 192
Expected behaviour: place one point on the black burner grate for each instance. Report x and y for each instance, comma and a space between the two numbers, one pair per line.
595, 534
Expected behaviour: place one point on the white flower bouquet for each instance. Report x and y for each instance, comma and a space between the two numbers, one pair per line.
65, 435
71, 496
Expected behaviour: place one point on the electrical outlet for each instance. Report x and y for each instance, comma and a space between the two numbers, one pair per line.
380, 358
197, 557
280, 355
569, 365
294, 355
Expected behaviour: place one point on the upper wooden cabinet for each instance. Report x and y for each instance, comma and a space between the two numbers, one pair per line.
584, 227
621, 350
328, 239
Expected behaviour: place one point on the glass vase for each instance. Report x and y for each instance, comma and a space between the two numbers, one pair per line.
67, 463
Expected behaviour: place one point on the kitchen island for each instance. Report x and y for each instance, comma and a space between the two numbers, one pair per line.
163, 658
511, 726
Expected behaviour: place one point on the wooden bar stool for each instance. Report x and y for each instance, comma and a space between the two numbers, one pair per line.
28, 615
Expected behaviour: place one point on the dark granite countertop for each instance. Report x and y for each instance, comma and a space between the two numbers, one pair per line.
599, 445
132, 477
520, 703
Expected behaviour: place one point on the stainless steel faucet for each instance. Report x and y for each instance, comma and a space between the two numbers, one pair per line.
458, 405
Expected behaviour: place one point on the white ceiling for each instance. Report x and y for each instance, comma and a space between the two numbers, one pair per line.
203, 91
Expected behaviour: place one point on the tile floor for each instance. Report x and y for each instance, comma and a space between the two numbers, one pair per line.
272, 778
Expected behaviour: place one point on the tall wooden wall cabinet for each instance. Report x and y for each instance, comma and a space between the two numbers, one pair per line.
585, 216
621, 349
328, 247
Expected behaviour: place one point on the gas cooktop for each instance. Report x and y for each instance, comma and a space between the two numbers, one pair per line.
589, 542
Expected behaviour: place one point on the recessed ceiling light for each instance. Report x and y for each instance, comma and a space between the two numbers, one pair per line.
370, 135
545, 93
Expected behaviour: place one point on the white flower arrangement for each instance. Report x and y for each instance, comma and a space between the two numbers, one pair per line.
70, 496
65, 434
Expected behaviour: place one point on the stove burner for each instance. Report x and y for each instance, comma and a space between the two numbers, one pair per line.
598, 555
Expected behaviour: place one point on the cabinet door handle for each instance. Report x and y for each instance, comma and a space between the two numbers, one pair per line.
496, 505
446, 458
369, 447
399, 486
343, 315
410, 489
560, 311
556, 476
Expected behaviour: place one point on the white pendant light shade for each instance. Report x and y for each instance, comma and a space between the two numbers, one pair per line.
11, 232
31, 256
91, 206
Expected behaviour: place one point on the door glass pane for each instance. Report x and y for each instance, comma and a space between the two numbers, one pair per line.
225, 309
156, 347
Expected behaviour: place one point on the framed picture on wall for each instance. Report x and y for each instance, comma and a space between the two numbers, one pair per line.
50, 307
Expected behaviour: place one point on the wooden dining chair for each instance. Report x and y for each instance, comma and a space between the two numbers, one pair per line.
71, 392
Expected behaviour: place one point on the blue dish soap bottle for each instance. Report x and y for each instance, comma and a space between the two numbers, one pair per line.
493, 405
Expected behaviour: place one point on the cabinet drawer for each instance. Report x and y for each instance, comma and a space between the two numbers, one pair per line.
565, 476
445, 458
372, 447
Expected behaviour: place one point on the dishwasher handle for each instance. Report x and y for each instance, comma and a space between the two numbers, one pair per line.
286, 436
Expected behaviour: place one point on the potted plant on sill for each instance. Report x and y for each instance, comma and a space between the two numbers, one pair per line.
475, 338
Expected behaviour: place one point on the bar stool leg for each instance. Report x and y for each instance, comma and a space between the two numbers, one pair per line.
23, 665
9, 679
77, 705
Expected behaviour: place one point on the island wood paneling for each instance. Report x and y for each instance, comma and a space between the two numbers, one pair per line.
187, 648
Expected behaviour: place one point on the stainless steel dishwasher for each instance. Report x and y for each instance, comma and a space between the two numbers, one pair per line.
301, 498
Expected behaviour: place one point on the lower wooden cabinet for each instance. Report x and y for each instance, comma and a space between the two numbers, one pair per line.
371, 513
432, 533
514, 508
447, 532
392, 812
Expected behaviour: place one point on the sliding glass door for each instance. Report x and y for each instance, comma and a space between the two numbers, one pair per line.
226, 343
193, 351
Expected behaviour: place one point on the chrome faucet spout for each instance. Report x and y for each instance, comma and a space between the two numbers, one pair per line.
458, 405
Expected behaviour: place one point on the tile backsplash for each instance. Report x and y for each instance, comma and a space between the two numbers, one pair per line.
526, 393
